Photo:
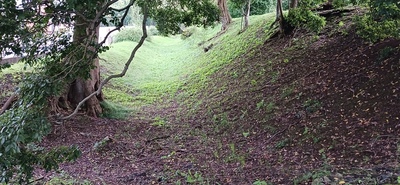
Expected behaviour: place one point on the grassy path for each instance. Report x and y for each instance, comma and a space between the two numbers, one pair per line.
157, 69
163, 64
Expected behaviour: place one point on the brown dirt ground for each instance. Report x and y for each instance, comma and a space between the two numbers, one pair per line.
299, 109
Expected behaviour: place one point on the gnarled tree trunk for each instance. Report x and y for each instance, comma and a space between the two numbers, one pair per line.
225, 17
81, 88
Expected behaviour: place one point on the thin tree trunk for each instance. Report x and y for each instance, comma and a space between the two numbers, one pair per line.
279, 16
247, 15
293, 4
225, 17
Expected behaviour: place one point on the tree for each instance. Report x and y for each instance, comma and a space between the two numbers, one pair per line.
66, 73
225, 16
293, 4
258, 7
279, 16
133, 18
244, 6
246, 14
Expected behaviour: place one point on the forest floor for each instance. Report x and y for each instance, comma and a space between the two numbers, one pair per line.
306, 108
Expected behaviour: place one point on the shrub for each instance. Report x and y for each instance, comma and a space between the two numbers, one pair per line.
340, 3
382, 21
152, 30
304, 18
373, 31
128, 34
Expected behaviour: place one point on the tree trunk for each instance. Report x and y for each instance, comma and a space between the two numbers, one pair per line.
247, 14
81, 88
279, 16
225, 17
293, 4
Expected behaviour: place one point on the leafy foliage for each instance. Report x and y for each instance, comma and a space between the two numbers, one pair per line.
133, 34
25, 125
169, 15
382, 21
134, 16
258, 7
343, 3
305, 18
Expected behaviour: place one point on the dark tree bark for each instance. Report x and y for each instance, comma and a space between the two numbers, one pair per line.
225, 17
279, 16
293, 4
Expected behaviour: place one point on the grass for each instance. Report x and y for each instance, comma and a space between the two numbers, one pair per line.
114, 111
15, 68
65, 179
227, 48
157, 69
165, 65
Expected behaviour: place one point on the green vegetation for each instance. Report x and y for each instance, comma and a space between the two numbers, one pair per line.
65, 179
305, 18
171, 61
221, 55
160, 122
15, 68
382, 21
115, 111
128, 34
192, 178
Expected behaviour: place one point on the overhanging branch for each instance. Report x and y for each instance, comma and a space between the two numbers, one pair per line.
123, 72
120, 25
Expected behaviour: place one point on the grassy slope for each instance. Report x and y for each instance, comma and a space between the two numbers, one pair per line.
157, 70
162, 65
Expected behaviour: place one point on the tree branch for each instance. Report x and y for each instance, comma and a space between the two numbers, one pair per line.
8, 103
119, 26
123, 72
124, 8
